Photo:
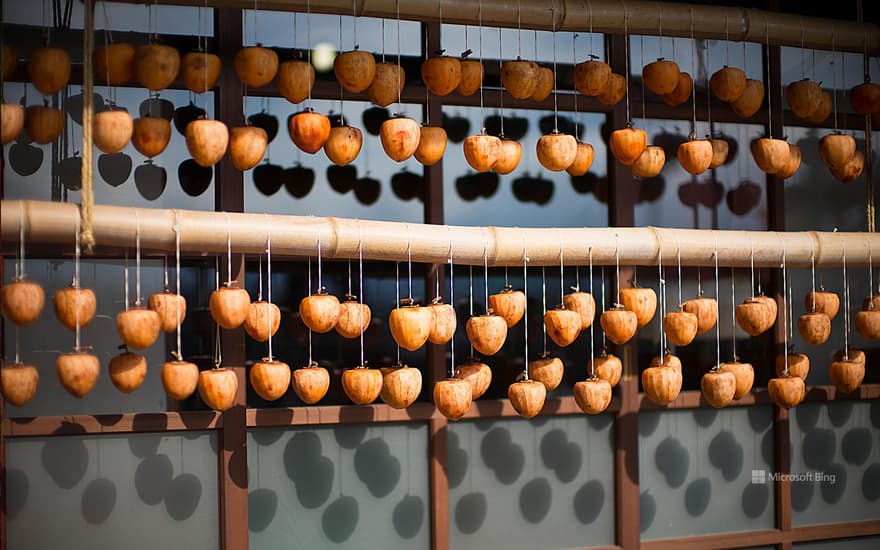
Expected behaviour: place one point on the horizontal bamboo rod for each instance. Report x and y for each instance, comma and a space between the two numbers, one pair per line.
648, 18
205, 232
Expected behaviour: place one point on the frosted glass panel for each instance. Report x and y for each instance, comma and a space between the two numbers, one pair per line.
137, 491
864, 543
46, 338
836, 454
545, 483
696, 470
349, 486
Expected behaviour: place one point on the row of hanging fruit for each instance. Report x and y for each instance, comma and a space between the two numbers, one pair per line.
412, 326
157, 66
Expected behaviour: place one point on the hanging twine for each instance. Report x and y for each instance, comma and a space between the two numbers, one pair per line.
88, 191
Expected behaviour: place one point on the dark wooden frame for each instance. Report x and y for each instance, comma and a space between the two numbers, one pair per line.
232, 425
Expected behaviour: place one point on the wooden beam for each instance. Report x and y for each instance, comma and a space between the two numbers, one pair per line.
80, 424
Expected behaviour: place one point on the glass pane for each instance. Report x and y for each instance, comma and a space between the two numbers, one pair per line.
120, 15
839, 71
743, 55
545, 483
529, 44
863, 543
530, 195
46, 338
137, 491
834, 461
730, 197
349, 486
716, 491
372, 187
278, 29
52, 172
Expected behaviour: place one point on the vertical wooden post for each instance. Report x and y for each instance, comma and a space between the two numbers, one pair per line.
229, 197
621, 213
438, 482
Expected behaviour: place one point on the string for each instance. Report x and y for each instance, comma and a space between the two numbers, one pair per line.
137, 261
626, 58
21, 222
486, 268
355, 20
733, 310
77, 251
834, 75
680, 301
642, 54
480, 35
228, 249
592, 343
544, 301
717, 325
398, 54
519, 29
309, 282
561, 271
694, 65
555, 91
604, 337
471, 296
784, 312
526, 306
125, 278
752, 264
451, 301
660, 28
813, 274
361, 290
177, 274
590, 7
769, 96
845, 306
318, 235
409, 263
397, 297
165, 270
662, 284
500, 96
309, 59
617, 264
271, 319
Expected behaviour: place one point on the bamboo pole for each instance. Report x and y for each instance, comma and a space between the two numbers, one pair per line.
204, 232
643, 17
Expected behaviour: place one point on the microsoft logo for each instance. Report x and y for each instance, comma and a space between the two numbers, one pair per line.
762, 476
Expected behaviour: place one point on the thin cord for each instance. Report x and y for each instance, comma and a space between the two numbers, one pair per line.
361, 289
76, 255
555, 91
177, 274
519, 29
604, 337
694, 65
228, 249
733, 310
784, 312
662, 284
717, 325
451, 301
480, 35
398, 54
561, 271
626, 57
269, 278
845, 306
137, 261
309, 59
318, 235
834, 75
544, 301
486, 268
813, 274
125, 278
409, 263
752, 265
680, 301
592, 343
526, 306
21, 223
397, 297
590, 6
617, 263
471, 296
309, 282
769, 96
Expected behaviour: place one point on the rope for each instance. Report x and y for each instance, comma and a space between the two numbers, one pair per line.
88, 191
